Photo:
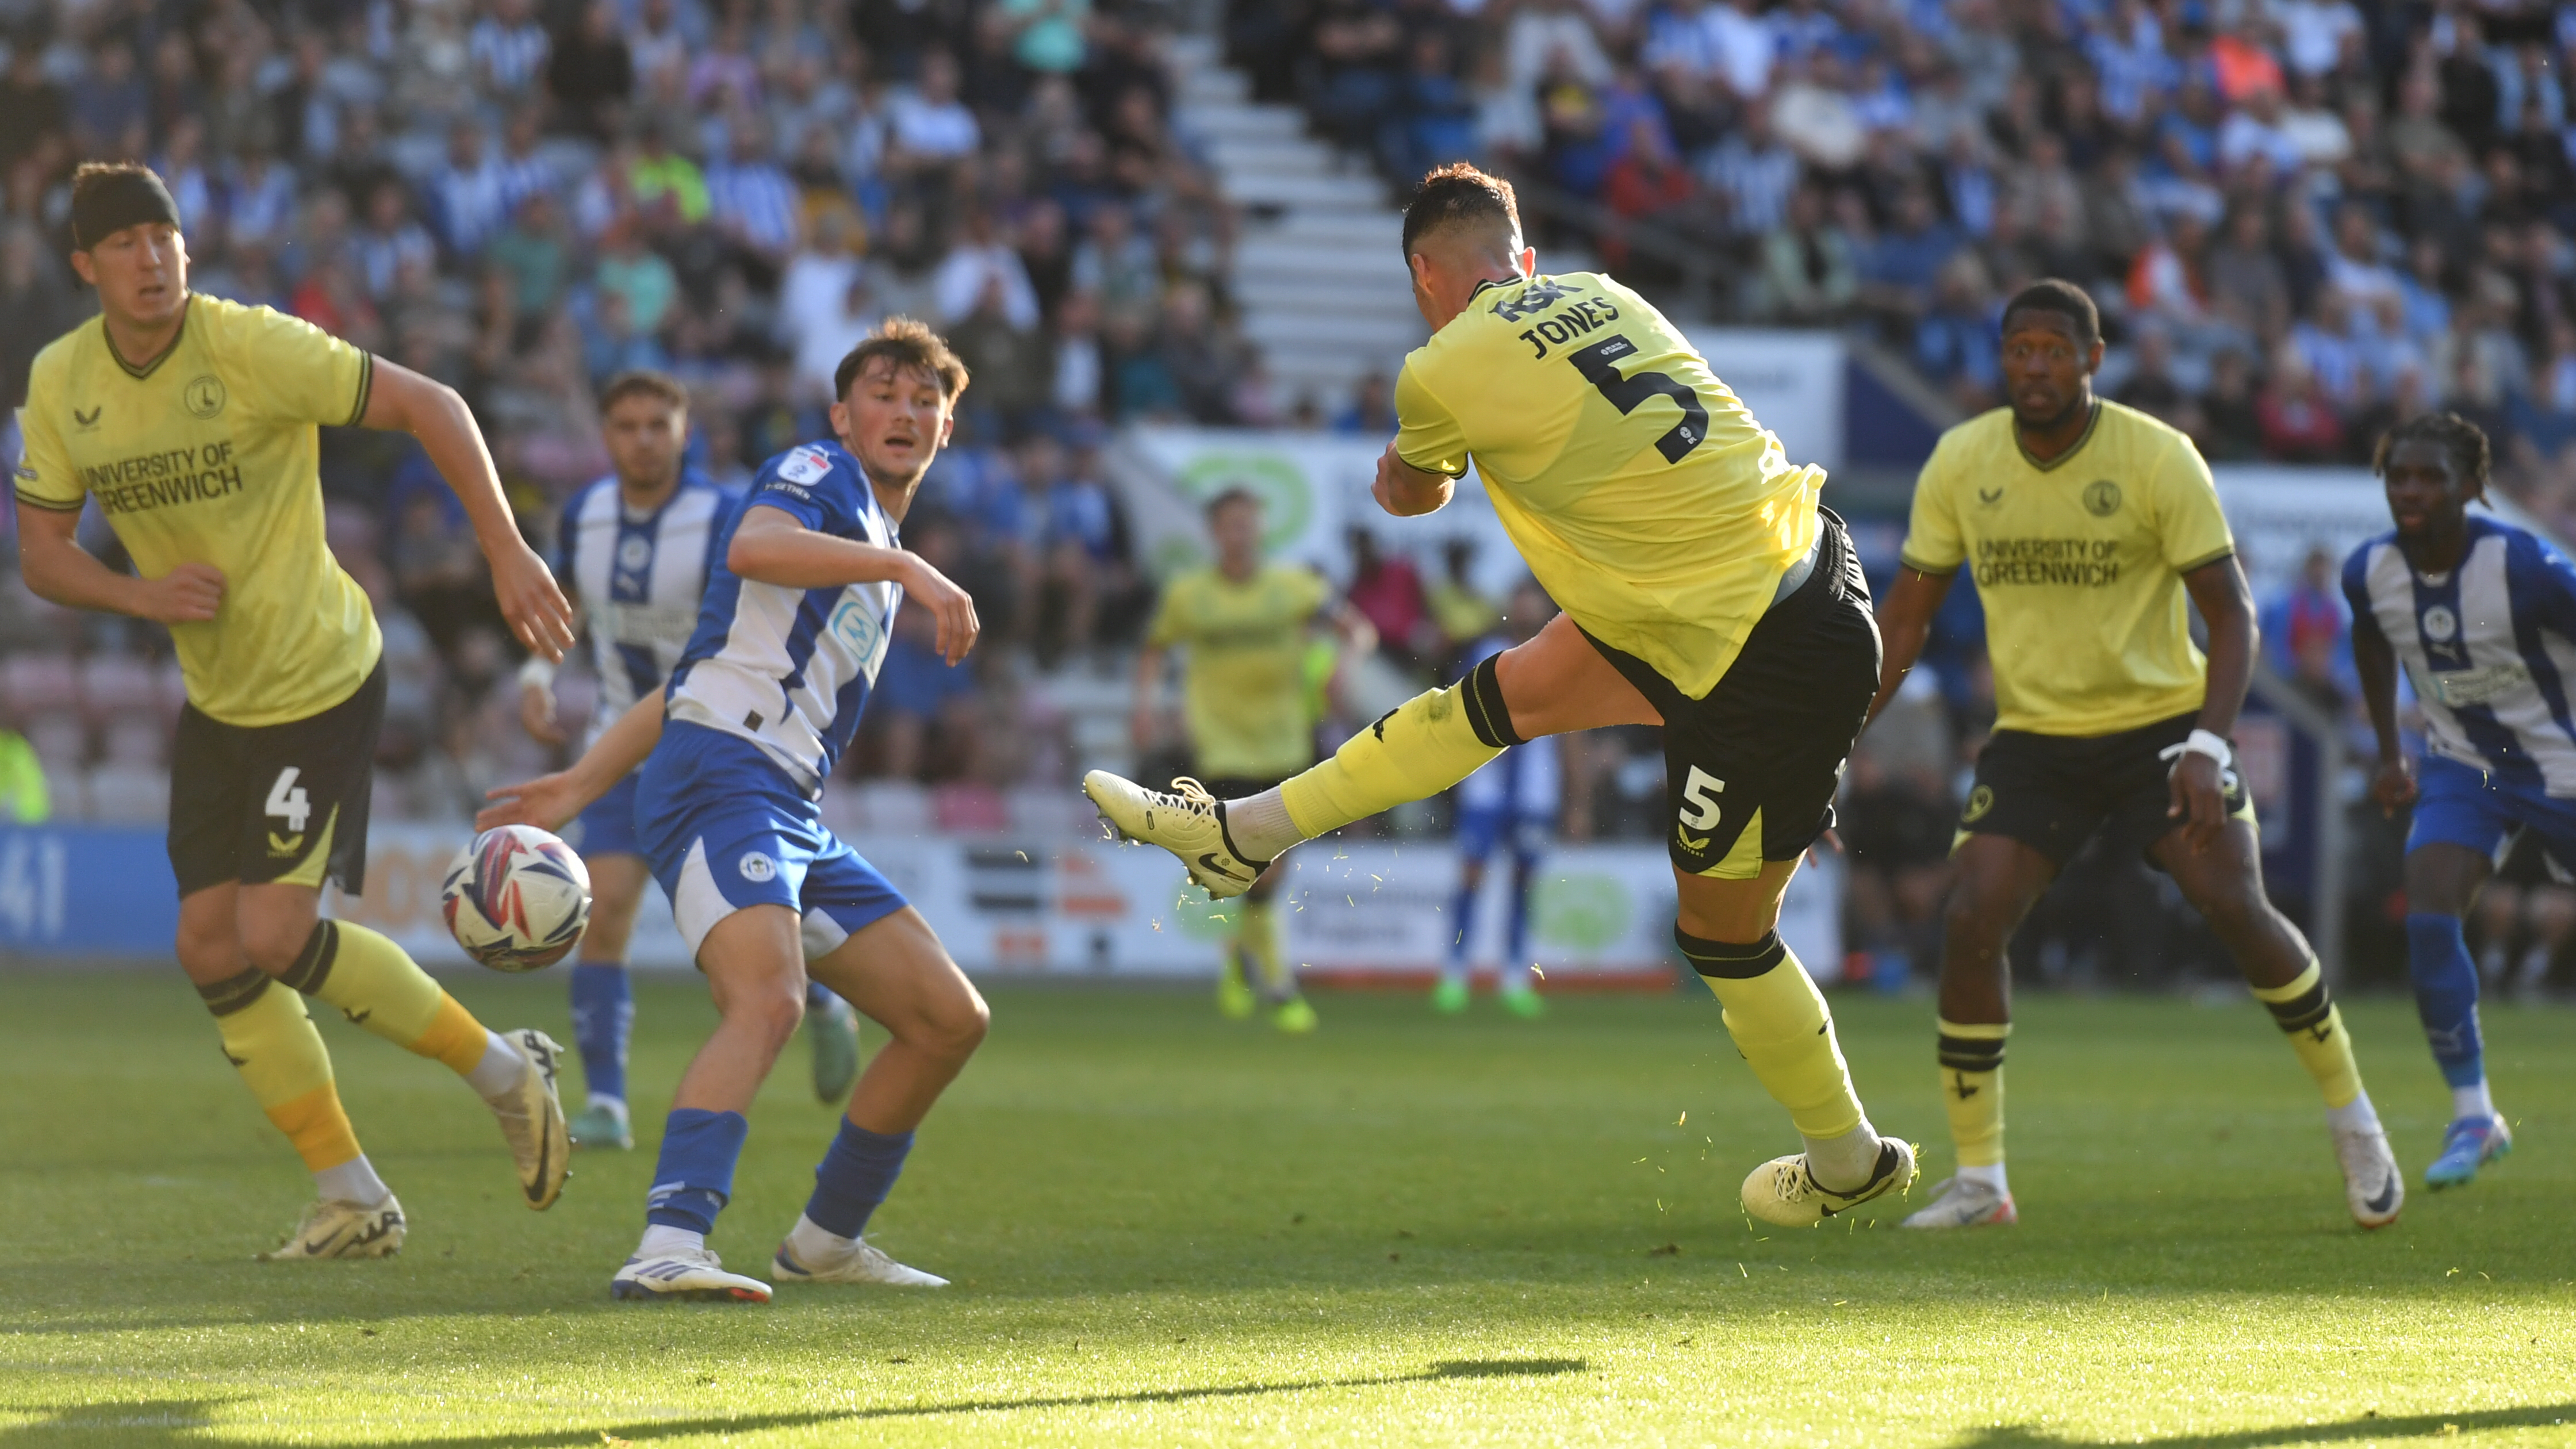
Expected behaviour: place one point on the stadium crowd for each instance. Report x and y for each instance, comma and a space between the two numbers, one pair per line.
2305, 217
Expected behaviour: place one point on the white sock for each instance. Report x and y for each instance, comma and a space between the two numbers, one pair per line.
2356, 1115
1846, 1161
662, 1242
1992, 1175
614, 1106
1259, 825
2472, 1101
813, 1243
352, 1181
500, 1069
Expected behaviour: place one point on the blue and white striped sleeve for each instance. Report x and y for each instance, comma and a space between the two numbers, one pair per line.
2542, 585
2356, 591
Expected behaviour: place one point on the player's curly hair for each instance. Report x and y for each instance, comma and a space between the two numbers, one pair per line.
1458, 192
2464, 441
912, 347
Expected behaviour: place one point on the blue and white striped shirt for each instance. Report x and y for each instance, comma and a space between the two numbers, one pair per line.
2490, 647
640, 579
790, 669
759, 199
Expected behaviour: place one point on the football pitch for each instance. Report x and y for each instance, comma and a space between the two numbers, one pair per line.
1166, 1229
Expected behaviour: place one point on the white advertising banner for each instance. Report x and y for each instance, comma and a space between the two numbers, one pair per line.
1793, 382
1598, 913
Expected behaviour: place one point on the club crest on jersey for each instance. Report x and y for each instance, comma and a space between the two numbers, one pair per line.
2102, 498
204, 396
757, 868
804, 465
2441, 626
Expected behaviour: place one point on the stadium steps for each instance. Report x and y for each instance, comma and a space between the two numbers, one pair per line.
1316, 271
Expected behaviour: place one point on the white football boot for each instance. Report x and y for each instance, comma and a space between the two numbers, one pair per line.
1185, 822
333, 1228
1961, 1203
860, 1262
532, 1119
1783, 1191
684, 1273
2372, 1186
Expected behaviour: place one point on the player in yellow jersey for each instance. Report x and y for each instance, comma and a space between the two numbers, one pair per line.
2087, 526
191, 423
1243, 623
1703, 590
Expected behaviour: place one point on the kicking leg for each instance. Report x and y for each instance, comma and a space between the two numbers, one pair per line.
2224, 882
895, 971
1553, 684
271, 1042
603, 1003
2442, 881
380, 988
1728, 930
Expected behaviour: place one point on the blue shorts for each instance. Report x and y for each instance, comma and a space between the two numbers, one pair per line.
1481, 828
608, 826
2463, 805
723, 829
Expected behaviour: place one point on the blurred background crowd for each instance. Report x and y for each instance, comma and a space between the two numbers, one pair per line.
2303, 219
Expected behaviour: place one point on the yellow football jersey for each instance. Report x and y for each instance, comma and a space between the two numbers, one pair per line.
208, 455
2079, 563
1644, 496
1246, 699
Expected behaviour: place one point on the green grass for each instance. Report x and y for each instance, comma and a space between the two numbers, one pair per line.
1168, 1230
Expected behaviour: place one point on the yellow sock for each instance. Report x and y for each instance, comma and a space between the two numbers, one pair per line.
2314, 1024
1972, 1087
1257, 933
272, 1043
1780, 1024
377, 986
1428, 744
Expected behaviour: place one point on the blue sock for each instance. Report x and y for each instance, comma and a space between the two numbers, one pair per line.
1517, 933
694, 1178
854, 1177
1462, 909
2446, 995
603, 1017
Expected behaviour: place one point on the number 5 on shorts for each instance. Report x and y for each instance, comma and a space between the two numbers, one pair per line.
1699, 799
288, 800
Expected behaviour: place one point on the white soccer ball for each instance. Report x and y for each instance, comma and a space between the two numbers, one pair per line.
516, 898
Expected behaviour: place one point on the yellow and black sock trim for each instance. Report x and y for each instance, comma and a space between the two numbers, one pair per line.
2305, 1011
1963, 1053
1730, 960
313, 965
234, 993
1487, 715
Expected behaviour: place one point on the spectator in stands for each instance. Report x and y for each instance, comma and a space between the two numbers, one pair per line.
1387, 590
752, 203
591, 71
2296, 420
1808, 273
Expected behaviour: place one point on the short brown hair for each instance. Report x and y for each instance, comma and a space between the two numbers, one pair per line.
1458, 192
93, 173
912, 347
643, 382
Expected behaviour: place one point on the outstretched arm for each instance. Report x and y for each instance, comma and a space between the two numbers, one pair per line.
549, 801
1904, 622
772, 546
402, 401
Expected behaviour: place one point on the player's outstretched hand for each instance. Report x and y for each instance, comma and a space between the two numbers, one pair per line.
188, 594
537, 714
951, 606
2393, 786
2198, 802
536, 608
546, 802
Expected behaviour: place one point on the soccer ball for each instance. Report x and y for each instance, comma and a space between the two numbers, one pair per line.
516, 898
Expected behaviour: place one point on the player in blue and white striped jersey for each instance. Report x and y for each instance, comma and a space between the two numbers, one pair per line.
2482, 615
1510, 801
765, 698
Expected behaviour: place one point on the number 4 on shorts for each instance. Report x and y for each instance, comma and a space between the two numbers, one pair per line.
288, 800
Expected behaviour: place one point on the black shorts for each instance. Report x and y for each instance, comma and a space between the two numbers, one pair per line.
282, 803
2051, 792
1750, 769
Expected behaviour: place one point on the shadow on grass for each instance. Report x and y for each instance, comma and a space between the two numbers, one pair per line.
155, 1423
2367, 1427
